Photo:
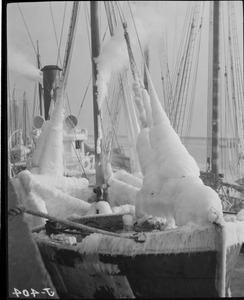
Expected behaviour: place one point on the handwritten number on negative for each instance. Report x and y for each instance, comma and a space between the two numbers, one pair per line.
33, 292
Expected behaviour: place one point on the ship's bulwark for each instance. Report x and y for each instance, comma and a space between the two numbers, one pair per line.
96, 275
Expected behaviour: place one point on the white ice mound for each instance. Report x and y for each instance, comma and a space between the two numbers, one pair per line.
48, 155
40, 145
121, 193
100, 207
172, 187
41, 196
128, 178
73, 186
124, 209
240, 215
123, 188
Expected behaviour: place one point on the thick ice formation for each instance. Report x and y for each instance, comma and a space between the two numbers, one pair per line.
75, 187
128, 178
100, 207
171, 186
40, 144
41, 196
121, 193
48, 155
27, 198
146, 102
124, 189
240, 215
124, 209
139, 103
188, 238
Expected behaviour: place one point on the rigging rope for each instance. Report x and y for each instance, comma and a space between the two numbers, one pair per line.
185, 75
182, 42
84, 96
137, 35
68, 103
88, 21
114, 100
10, 117
193, 92
55, 33
114, 116
121, 15
27, 28
227, 119
61, 35
238, 73
234, 99
77, 153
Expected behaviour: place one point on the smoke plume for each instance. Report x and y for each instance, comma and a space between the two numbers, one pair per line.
149, 23
19, 63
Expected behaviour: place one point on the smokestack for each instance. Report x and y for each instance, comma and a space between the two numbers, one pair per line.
51, 81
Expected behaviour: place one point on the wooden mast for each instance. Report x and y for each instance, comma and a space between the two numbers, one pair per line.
70, 42
24, 119
39, 85
15, 116
213, 98
95, 43
146, 56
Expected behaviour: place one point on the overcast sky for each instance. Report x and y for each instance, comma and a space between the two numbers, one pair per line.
38, 19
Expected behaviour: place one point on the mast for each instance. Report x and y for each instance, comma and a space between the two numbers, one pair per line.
70, 42
15, 116
24, 119
95, 43
39, 85
146, 56
213, 89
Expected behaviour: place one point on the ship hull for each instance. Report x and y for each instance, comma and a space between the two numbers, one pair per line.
172, 275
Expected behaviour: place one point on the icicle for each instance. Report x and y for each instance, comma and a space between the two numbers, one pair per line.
147, 106
139, 104
221, 244
144, 150
98, 149
158, 113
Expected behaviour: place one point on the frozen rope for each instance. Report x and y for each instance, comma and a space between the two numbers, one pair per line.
15, 211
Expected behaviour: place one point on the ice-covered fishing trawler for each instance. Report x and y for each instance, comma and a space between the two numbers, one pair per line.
161, 236
133, 248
